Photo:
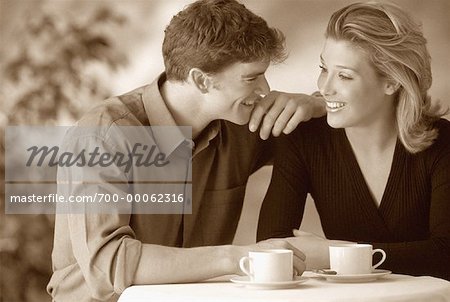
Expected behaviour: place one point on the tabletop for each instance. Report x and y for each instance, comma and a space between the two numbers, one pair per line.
392, 287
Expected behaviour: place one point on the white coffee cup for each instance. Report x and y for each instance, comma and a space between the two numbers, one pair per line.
353, 259
272, 265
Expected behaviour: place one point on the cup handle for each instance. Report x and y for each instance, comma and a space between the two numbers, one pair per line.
242, 265
383, 257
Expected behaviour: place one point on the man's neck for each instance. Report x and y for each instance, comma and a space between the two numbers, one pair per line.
184, 103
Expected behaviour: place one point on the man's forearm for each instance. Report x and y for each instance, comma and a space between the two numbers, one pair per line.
161, 264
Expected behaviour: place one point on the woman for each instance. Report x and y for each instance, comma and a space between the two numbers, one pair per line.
378, 166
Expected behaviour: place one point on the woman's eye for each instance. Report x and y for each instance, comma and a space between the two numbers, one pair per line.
250, 79
344, 77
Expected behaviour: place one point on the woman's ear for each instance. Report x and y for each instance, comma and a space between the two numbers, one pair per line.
391, 87
200, 79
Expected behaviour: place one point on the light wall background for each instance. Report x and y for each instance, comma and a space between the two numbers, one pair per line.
302, 21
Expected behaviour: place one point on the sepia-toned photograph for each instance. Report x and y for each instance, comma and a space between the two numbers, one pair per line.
225, 150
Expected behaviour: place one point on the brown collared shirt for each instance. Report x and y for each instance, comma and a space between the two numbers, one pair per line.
95, 256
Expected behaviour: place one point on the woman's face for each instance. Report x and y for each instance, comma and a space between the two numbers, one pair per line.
356, 96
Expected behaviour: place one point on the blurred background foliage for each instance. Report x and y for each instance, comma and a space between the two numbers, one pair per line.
58, 58
56, 73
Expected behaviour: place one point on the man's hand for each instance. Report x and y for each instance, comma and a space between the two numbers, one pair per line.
315, 247
282, 112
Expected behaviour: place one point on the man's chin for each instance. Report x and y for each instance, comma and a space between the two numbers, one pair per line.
242, 121
239, 120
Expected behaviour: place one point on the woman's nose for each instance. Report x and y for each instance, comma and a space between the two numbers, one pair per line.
325, 85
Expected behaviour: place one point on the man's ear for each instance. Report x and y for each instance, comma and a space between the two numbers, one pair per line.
200, 79
391, 87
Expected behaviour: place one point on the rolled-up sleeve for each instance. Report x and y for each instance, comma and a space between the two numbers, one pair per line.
103, 245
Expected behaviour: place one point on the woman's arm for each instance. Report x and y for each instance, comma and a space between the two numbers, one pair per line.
430, 256
283, 206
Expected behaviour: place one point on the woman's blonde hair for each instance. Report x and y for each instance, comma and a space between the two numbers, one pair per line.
397, 49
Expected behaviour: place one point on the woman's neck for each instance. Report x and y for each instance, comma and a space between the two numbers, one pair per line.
376, 138
374, 149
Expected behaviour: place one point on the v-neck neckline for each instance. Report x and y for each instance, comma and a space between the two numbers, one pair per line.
360, 184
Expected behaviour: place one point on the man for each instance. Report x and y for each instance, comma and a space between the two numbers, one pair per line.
216, 53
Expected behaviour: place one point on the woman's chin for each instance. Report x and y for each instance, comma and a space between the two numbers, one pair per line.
333, 122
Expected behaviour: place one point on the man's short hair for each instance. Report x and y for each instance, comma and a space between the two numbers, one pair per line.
214, 34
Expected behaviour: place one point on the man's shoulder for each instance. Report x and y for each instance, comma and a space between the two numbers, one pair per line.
126, 109
104, 122
239, 134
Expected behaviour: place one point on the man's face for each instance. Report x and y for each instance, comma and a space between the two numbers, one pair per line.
236, 90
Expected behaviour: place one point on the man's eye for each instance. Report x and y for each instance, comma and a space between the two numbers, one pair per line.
250, 79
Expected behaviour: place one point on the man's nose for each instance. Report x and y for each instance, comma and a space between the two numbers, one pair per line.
263, 87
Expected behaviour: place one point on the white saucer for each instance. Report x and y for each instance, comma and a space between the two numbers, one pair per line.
376, 274
245, 280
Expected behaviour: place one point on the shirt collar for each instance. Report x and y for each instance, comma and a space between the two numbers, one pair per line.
213, 130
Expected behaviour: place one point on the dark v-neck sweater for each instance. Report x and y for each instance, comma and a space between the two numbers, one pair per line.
412, 222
